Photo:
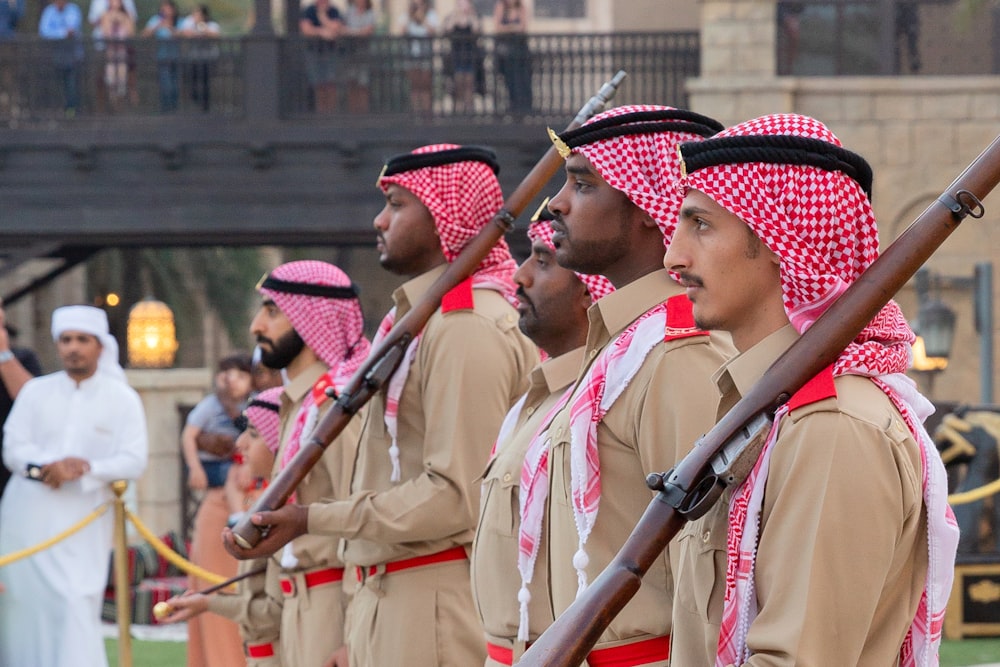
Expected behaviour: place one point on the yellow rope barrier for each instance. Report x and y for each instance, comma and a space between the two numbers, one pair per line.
973, 495
175, 559
31, 551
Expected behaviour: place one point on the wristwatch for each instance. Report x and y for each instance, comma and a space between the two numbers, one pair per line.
6, 356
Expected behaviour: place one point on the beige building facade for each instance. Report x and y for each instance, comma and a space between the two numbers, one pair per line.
918, 132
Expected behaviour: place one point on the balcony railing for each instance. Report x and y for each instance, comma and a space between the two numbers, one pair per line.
485, 78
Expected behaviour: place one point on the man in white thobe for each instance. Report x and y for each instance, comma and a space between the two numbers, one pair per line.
68, 435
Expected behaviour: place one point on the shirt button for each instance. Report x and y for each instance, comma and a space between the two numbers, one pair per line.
706, 535
530, 411
593, 353
559, 432
506, 477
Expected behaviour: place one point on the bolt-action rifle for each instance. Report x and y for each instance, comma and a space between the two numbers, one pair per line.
724, 456
385, 359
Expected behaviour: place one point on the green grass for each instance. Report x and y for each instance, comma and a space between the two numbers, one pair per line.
173, 654
150, 654
970, 652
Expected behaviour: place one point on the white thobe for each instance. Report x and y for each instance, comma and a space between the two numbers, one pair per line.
50, 611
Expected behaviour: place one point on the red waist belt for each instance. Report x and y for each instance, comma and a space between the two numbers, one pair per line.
501, 654
636, 653
260, 650
316, 578
454, 553
627, 655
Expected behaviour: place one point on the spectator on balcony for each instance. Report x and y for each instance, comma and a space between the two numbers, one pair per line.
117, 26
513, 59
95, 15
10, 13
201, 52
322, 24
163, 26
462, 28
359, 22
420, 23
61, 22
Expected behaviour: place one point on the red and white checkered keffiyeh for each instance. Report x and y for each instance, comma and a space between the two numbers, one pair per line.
462, 198
821, 226
597, 286
262, 412
332, 328
643, 166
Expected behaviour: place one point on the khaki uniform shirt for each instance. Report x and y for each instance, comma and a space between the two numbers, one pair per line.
469, 368
495, 577
328, 479
667, 405
843, 540
256, 607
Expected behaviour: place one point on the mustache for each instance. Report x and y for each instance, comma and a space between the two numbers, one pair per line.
690, 280
265, 339
557, 222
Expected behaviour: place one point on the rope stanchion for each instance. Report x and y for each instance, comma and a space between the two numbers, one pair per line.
173, 557
42, 546
973, 495
122, 603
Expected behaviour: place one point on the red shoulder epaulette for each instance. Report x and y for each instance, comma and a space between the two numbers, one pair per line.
815, 390
319, 389
680, 319
458, 297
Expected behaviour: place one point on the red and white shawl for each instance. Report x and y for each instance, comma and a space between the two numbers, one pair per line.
462, 198
822, 227
642, 166
534, 485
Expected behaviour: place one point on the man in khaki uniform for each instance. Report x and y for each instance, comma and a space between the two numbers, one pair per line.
411, 516
509, 580
644, 393
766, 241
310, 325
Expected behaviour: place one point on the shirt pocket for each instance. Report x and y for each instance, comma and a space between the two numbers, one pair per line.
700, 580
500, 506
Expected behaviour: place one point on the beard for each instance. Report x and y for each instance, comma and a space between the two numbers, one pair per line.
283, 351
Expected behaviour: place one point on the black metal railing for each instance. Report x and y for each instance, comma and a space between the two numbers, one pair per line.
486, 77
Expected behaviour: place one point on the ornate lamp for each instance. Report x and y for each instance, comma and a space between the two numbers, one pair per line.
937, 328
152, 341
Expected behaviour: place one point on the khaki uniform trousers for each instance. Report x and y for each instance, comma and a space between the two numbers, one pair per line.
312, 622
419, 617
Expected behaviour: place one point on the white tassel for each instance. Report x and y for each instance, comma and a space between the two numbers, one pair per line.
394, 456
523, 597
580, 562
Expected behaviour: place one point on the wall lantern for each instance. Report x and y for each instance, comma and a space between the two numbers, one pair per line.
152, 340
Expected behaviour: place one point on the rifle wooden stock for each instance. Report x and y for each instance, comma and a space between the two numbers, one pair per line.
692, 486
383, 361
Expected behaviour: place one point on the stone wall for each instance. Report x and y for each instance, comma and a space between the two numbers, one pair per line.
165, 395
917, 132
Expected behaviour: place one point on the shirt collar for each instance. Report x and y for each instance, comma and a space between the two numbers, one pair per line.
560, 372
743, 370
414, 289
617, 310
304, 381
